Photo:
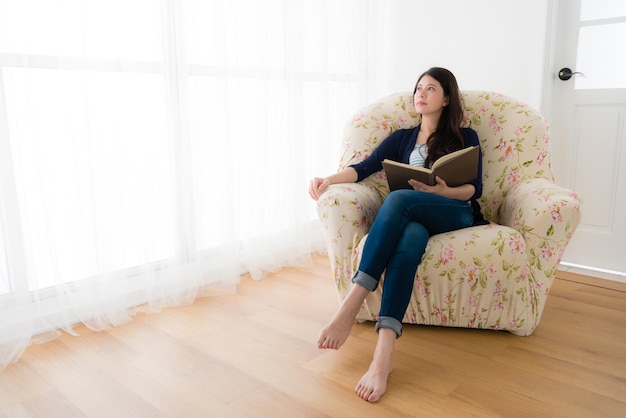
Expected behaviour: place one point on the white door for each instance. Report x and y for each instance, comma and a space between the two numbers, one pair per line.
588, 126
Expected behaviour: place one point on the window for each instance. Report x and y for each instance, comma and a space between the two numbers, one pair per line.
600, 55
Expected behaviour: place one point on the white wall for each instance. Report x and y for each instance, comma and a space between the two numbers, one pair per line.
488, 44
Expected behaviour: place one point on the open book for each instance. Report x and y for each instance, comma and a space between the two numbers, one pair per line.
457, 168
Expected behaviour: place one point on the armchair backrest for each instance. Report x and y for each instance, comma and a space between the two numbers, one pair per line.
514, 140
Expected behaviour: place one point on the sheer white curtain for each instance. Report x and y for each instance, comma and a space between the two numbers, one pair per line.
151, 151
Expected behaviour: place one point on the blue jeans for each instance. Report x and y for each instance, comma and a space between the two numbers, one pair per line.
397, 241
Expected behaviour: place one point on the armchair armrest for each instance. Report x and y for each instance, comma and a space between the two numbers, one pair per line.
546, 215
347, 212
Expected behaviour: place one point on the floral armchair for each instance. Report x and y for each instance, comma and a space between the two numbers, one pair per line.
495, 276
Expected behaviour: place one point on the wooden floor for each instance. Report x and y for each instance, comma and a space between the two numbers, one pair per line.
253, 355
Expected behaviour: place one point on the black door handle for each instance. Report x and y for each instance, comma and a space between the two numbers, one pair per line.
566, 73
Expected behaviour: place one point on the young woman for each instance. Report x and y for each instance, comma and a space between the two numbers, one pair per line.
407, 218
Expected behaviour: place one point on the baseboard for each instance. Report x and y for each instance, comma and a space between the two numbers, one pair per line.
592, 278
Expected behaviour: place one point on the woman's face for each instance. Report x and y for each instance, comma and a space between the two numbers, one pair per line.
429, 97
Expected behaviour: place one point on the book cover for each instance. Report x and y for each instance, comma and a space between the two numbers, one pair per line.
457, 168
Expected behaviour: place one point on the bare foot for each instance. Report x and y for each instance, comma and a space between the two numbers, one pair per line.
373, 384
338, 329
336, 332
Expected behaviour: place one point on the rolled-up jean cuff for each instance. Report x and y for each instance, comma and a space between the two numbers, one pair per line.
391, 323
365, 280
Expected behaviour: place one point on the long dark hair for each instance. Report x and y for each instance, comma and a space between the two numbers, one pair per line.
447, 136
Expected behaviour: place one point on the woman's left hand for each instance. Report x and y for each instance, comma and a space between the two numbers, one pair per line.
463, 192
439, 188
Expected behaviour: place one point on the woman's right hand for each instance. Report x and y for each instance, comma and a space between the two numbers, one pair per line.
317, 187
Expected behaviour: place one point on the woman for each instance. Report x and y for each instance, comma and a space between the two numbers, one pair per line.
407, 218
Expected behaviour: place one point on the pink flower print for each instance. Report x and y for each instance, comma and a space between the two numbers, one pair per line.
471, 273
446, 254
490, 270
385, 125
492, 120
515, 244
497, 292
469, 242
419, 285
436, 311
514, 176
508, 151
444, 319
419, 282
473, 301
498, 306
482, 110
360, 223
446, 299
359, 117
556, 214
336, 272
524, 273
547, 252
541, 157
519, 131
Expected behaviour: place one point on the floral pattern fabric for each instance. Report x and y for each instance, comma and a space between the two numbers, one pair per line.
494, 276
